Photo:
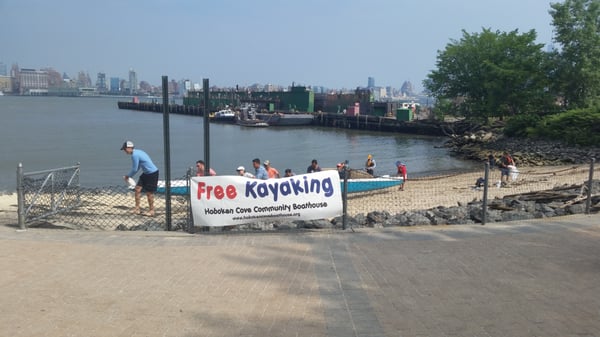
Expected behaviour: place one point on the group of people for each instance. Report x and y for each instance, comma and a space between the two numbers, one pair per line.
148, 180
266, 171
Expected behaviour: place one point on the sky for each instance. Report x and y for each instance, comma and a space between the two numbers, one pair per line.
330, 43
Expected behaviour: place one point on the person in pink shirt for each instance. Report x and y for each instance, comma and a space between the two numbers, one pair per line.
200, 167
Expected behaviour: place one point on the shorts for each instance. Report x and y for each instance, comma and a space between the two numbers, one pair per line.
504, 171
148, 181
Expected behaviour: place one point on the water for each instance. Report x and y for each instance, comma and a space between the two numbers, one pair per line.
52, 132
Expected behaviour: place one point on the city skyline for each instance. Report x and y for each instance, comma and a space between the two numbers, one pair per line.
335, 44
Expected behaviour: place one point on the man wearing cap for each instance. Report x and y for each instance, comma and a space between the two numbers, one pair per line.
242, 172
148, 180
260, 171
271, 171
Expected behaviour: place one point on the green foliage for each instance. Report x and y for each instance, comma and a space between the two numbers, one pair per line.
577, 127
521, 125
576, 76
492, 74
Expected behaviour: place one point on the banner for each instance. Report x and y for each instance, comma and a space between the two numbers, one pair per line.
234, 200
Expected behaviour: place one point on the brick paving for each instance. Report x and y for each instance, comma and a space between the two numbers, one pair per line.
529, 278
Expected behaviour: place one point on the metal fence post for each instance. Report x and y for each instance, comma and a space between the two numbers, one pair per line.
345, 196
485, 194
589, 190
167, 154
20, 197
190, 216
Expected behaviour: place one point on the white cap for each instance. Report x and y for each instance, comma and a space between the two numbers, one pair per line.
240, 168
126, 145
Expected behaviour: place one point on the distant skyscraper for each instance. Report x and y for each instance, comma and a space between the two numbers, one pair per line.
133, 82
371, 83
101, 82
407, 89
114, 84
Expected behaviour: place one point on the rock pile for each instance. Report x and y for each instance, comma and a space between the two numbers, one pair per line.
526, 152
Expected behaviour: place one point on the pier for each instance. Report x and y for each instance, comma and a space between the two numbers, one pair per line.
334, 120
379, 123
178, 109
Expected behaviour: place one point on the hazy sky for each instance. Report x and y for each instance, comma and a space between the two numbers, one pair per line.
333, 43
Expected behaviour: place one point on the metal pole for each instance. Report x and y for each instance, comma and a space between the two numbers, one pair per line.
345, 197
485, 194
206, 128
589, 190
20, 197
165, 93
190, 216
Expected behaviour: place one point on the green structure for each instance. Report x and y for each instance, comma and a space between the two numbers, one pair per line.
297, 99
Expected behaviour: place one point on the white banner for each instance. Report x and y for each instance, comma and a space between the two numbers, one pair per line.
234, 200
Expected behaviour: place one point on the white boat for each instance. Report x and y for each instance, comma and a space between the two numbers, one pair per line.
252, 123
225, 115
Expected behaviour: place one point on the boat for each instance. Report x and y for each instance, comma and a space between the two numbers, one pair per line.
286, 119
252, 123
178, 187
370, 184
223, 116
181, 187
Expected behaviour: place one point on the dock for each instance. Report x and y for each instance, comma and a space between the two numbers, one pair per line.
334, 120
178, 109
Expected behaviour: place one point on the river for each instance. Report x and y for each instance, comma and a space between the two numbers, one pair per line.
52, 132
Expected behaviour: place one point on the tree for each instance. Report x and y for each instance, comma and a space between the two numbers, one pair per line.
492, 74
577, 31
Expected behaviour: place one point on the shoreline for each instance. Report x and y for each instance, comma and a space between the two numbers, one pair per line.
423, 193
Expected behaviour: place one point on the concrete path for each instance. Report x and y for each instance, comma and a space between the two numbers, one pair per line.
533, 278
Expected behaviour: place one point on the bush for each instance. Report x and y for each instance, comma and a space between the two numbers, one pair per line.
577, 127
521, 125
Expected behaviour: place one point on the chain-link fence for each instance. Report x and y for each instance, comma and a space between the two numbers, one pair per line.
54, 198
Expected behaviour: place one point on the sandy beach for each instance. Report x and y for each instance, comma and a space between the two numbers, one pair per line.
450, 190
8, 205
428, 192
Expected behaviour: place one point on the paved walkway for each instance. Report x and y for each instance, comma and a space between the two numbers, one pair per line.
533, 278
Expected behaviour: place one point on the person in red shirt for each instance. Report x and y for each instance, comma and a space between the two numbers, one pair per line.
401, 173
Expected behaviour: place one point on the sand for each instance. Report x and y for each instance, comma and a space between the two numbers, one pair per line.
8, 206
429, 192
450, 190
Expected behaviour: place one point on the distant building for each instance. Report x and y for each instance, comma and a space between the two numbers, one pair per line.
33, 82
3, 69
101, 82
5, 84
133, 82
407, 89
115, 86
371, 82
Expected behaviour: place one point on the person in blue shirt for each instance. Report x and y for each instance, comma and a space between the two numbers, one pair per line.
148, 180
260, 173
